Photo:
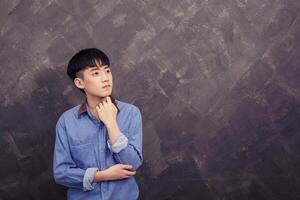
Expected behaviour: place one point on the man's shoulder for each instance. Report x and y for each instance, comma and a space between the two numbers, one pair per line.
69, 113
125, 106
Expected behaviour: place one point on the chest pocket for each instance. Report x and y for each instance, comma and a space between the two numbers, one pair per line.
84, 155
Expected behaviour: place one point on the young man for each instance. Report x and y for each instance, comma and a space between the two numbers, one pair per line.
98, 144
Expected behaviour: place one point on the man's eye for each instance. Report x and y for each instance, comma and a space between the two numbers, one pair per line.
96, 73
108, 70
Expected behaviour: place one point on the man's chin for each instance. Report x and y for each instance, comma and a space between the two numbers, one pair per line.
106, 94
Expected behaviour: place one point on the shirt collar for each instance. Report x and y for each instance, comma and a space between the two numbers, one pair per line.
83, 106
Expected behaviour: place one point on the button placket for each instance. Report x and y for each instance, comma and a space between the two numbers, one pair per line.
102, 144
100, 147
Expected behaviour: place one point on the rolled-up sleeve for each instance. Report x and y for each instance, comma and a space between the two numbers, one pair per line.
65, 171
88, 178
120, 143
129, 149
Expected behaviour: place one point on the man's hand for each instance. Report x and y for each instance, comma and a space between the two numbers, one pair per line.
115, 172
107, 111
120, 171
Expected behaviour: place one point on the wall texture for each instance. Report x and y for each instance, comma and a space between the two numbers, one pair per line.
217, 82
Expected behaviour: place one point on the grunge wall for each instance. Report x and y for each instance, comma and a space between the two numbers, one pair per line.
217, 82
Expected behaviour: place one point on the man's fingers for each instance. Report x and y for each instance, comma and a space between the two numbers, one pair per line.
131, 173
126, 176
115, 107
108, 99
100, 105
129, 167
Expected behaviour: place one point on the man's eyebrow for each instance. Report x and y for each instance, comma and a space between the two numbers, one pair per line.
94, 68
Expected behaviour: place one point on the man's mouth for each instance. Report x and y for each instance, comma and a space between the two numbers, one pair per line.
106, 86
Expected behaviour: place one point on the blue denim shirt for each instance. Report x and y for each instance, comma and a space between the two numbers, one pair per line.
82, 148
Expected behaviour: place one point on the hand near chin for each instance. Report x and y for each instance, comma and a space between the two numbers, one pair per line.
107, 111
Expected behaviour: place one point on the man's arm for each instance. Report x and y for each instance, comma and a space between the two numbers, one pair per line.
65, 171
115, 172
128, 150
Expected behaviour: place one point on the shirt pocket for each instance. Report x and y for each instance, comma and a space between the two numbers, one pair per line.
84, 155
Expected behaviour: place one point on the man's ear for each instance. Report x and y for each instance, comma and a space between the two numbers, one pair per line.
79, 83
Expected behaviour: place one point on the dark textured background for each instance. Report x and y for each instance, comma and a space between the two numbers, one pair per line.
217, 82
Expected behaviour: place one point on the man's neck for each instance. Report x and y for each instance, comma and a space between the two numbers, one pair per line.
93, 102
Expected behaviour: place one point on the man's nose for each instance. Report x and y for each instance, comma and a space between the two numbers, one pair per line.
104, 77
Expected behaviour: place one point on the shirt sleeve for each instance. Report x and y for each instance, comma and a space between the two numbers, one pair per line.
65, 171
132, 153
88, 177
120, 143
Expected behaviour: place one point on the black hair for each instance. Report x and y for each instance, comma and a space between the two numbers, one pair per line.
83, 59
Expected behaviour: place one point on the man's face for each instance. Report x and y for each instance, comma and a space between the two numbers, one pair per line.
96, 78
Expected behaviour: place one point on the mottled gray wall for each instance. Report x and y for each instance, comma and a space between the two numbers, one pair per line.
217, 82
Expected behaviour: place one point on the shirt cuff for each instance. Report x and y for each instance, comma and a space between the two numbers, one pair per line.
88, 179
120, 143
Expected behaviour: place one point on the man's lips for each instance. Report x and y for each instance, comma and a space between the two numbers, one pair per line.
106, 86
